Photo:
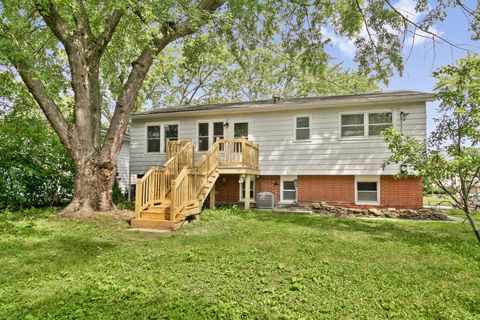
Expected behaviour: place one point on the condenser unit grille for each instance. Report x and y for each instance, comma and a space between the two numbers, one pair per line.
265, 200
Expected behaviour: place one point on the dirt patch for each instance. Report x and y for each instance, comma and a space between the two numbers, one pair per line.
410, 214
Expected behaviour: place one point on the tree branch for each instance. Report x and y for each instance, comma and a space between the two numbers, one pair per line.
417, 26
40, 94
81, 20
141, 66
54, 21
112, 23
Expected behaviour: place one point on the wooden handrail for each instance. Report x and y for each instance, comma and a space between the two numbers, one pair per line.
155, 185
174, 146
184, 180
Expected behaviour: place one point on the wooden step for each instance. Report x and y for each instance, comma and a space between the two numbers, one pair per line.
155, 224
154, 215
162, 208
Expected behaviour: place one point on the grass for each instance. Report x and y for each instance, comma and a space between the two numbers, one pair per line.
437, 200
233, 265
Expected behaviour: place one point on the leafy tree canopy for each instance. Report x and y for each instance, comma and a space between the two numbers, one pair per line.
450, 158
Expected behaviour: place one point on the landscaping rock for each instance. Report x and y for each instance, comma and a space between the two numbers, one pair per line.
420, 214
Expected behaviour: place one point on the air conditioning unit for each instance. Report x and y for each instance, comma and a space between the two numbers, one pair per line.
265, 200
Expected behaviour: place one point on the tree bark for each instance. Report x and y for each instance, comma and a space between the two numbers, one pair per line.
473, 223
94, 181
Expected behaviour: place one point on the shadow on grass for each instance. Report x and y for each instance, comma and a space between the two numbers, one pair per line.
452, 237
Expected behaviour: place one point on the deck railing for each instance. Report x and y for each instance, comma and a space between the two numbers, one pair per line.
174, 146
238, 153
183, 180
187, 187
156, 184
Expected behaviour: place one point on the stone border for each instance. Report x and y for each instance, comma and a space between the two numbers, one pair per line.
419, 214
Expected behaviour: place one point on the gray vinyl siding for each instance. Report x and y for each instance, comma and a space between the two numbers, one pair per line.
325, 154
123, 164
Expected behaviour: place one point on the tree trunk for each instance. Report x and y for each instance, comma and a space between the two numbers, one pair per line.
93, 187
473, 224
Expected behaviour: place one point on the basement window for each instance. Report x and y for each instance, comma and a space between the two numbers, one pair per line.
367, 190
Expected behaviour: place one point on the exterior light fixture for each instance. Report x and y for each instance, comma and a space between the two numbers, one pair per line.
240, 180
403, 168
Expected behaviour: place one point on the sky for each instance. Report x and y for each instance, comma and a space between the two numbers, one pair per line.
423, 60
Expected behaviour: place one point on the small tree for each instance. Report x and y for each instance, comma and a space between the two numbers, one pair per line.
450, 158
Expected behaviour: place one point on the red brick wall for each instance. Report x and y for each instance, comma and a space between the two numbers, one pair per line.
228, 188
399, 193
269, 184
338, 190
331, 189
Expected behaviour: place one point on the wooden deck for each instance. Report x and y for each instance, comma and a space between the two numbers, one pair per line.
166, 196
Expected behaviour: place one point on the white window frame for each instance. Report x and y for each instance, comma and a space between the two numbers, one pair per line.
365, 123
162, 135
242, 199
231, 126
288, 178
210, 132
309, 116
368, 179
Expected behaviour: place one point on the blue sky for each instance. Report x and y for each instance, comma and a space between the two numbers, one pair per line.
418, 69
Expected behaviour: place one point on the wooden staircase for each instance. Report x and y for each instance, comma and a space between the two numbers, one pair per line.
166, 196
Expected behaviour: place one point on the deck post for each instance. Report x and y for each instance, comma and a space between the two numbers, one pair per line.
247, 192
138, 198
212, 197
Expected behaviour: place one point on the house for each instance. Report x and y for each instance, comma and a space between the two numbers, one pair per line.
306, 150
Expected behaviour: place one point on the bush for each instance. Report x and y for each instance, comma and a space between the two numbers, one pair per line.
35, 168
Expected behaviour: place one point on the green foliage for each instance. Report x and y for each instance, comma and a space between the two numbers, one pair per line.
35, 169
215, 75
253, 265
450, 159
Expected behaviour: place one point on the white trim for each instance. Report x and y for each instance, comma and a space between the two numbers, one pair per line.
288, 178
295, 117
242, 199
162, 135
365, 123
368, 179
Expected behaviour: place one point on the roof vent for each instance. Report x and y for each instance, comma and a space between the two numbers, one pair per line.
277, 98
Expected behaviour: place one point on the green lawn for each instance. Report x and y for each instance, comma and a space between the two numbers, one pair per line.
233, 265
437, 200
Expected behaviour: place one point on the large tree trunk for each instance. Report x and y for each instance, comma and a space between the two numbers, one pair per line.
94, 181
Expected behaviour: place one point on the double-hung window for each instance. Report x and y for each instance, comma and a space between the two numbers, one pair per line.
158, 134
364, 124
153, 138
302, 128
